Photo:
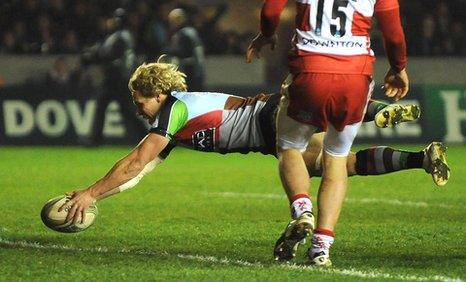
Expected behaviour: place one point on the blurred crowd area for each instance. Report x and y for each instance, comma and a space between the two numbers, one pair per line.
66, 27
432, 27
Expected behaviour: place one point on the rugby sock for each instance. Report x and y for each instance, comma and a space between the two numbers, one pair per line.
300, 204
381, 160
373, 107
322, 240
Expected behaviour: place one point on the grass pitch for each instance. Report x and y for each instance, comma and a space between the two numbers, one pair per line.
201, 216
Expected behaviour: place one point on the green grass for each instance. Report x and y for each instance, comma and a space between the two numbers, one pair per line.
150, 231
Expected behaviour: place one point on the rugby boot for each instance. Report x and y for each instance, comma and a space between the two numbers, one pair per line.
394, 114
436, 156
295, 232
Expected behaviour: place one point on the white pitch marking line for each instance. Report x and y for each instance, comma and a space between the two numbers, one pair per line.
396, 202
226, 261
349, 200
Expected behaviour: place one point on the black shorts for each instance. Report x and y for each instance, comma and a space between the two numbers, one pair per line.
267, 121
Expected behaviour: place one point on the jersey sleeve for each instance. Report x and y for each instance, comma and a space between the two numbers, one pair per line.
393, 36
166, 151
270, 16
172, 117
385, 5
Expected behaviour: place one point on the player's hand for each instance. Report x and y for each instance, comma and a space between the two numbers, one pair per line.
396, 84
256, 45
77, 205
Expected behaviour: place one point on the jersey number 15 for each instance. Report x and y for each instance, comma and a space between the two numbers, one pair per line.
337, 13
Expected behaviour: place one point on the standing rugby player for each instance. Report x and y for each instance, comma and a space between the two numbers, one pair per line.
331, 63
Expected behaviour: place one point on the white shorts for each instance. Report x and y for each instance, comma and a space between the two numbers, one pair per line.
338, 143
292, 134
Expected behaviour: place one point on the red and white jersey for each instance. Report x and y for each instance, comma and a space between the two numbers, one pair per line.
331, 36
338, 27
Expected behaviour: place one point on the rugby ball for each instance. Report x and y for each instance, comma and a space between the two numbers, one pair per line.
56, 220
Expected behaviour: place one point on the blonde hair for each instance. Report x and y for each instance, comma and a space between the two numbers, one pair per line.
157, 77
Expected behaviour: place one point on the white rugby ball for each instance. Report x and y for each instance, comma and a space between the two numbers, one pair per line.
56, 220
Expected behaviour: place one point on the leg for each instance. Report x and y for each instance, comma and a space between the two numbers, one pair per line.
382, 160
293, 172
318, 99
332, 191
292, 139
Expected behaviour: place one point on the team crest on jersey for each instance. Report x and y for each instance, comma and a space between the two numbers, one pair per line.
204, 140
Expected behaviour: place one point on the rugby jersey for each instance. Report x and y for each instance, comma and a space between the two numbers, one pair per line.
212, 122
332, 36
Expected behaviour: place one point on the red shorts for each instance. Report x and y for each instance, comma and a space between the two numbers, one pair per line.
322, 98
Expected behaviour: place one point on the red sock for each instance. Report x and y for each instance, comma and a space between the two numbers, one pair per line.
323, 231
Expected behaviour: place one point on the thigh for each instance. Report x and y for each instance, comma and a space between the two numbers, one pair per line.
338, 143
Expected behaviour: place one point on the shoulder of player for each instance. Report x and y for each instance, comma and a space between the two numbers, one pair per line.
174, 107
171, 118
384, 5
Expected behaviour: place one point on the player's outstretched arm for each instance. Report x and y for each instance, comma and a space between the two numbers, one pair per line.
134, 181
122, 172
